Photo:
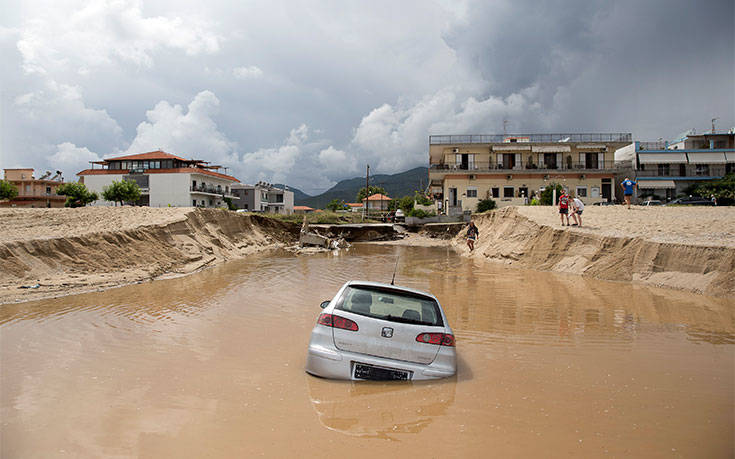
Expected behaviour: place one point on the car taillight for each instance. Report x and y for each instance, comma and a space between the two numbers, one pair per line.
442, 339
331, 320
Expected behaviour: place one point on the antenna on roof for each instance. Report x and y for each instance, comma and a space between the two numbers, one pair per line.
392, 281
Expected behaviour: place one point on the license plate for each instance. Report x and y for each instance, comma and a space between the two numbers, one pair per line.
374, 373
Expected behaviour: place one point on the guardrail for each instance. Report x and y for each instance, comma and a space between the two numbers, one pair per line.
494, 167
499, 138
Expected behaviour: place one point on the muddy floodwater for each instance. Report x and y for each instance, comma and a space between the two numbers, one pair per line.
212, 365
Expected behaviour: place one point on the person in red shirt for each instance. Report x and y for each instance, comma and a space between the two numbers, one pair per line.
564, 207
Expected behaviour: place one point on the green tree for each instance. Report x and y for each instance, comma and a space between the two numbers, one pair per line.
121, 191
548, 193
373, 190
7, 190
722, 189
228, 201
77, 194
406, 204
422, 199
335, 205
485, 205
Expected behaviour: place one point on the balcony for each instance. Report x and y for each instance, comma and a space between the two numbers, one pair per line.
688, 172
212, 190
491, 167
499, 138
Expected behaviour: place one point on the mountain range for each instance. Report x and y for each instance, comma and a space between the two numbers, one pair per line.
395, 185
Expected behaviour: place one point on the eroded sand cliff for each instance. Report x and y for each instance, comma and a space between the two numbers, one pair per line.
683, 248
49, 252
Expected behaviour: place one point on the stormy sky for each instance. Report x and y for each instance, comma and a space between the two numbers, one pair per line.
308, 92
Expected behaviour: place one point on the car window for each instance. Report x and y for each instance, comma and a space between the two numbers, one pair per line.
391, 305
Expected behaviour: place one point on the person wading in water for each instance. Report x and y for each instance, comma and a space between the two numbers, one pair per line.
472, 234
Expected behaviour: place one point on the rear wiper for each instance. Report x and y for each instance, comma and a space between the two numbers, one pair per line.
406, 321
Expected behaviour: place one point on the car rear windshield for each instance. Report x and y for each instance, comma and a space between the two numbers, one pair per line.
391, 305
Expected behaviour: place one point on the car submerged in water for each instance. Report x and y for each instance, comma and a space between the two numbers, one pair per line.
374, 331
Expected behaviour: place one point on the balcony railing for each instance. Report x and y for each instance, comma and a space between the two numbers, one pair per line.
690, 171
495, 167
207, 189
497, 138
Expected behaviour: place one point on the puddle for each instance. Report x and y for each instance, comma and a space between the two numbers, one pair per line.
212, 365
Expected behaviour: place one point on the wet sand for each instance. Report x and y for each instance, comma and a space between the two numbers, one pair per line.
212, 365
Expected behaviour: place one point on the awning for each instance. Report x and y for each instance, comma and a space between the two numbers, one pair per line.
590, 146
662, 158
551, 148
656, 184
706, 158
730, 157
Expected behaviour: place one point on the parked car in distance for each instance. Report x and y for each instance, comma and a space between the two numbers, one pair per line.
691, 201
374, 331
399, 216
652, 202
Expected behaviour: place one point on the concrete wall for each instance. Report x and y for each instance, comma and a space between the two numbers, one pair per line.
170, 189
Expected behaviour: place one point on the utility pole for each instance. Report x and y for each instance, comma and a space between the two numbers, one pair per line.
367, 191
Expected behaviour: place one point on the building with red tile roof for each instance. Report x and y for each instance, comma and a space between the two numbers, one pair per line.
377, 201
164, 179
302, 210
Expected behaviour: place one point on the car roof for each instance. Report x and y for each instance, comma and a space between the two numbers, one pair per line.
397, 288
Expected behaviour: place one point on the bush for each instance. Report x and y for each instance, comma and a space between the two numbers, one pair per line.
422, 199
485, 205
419, 213
7, 190
77, 194
547, 194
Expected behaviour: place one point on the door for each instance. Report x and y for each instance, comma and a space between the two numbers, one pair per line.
452, 197
607, 191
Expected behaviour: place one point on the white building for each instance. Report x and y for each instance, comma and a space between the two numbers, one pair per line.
264, 197
164, 179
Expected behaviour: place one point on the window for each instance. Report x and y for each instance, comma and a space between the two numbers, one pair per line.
702, 169
194, 203
48, 190
193, 183
390, 305
508, 192
581, 191
729, 168
721, 144
471, 192
682, 170
664, 170
495, 192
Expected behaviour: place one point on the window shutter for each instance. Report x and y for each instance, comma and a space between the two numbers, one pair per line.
559, 164
518, 161
500, 160
541, 160
582, 159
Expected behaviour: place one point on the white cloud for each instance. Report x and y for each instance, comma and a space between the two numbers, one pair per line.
334, 161
190, 133
70, 157
244, 73
106, 31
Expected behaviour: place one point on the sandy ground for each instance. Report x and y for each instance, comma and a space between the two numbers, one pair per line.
710, 226
685, 248
31, 224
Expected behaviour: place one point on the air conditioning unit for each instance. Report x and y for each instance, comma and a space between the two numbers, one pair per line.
582, 177
473, 176
509, 177
455, 150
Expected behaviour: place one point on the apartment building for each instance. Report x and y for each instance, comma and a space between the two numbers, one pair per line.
664, 170
32, 192
164, 179
464, 169
264, 197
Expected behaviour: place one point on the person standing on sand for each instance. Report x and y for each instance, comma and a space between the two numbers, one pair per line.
564, 207
628, 185
577, 208
472, 234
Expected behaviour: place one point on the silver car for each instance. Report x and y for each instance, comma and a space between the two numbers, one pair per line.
373, 331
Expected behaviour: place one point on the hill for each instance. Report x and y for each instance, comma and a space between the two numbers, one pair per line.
298, 195
396, 186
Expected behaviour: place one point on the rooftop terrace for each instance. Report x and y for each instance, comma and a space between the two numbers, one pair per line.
500, 138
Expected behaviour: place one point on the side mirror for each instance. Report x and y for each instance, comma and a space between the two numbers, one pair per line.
325, 304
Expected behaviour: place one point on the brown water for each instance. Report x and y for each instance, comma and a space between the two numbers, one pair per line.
212, 365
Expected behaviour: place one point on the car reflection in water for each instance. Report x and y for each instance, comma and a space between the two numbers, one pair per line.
375, 409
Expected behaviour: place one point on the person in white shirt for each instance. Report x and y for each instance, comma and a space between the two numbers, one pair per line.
577, 208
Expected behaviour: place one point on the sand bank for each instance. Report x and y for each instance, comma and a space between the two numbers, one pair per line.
676, 247
61, 251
